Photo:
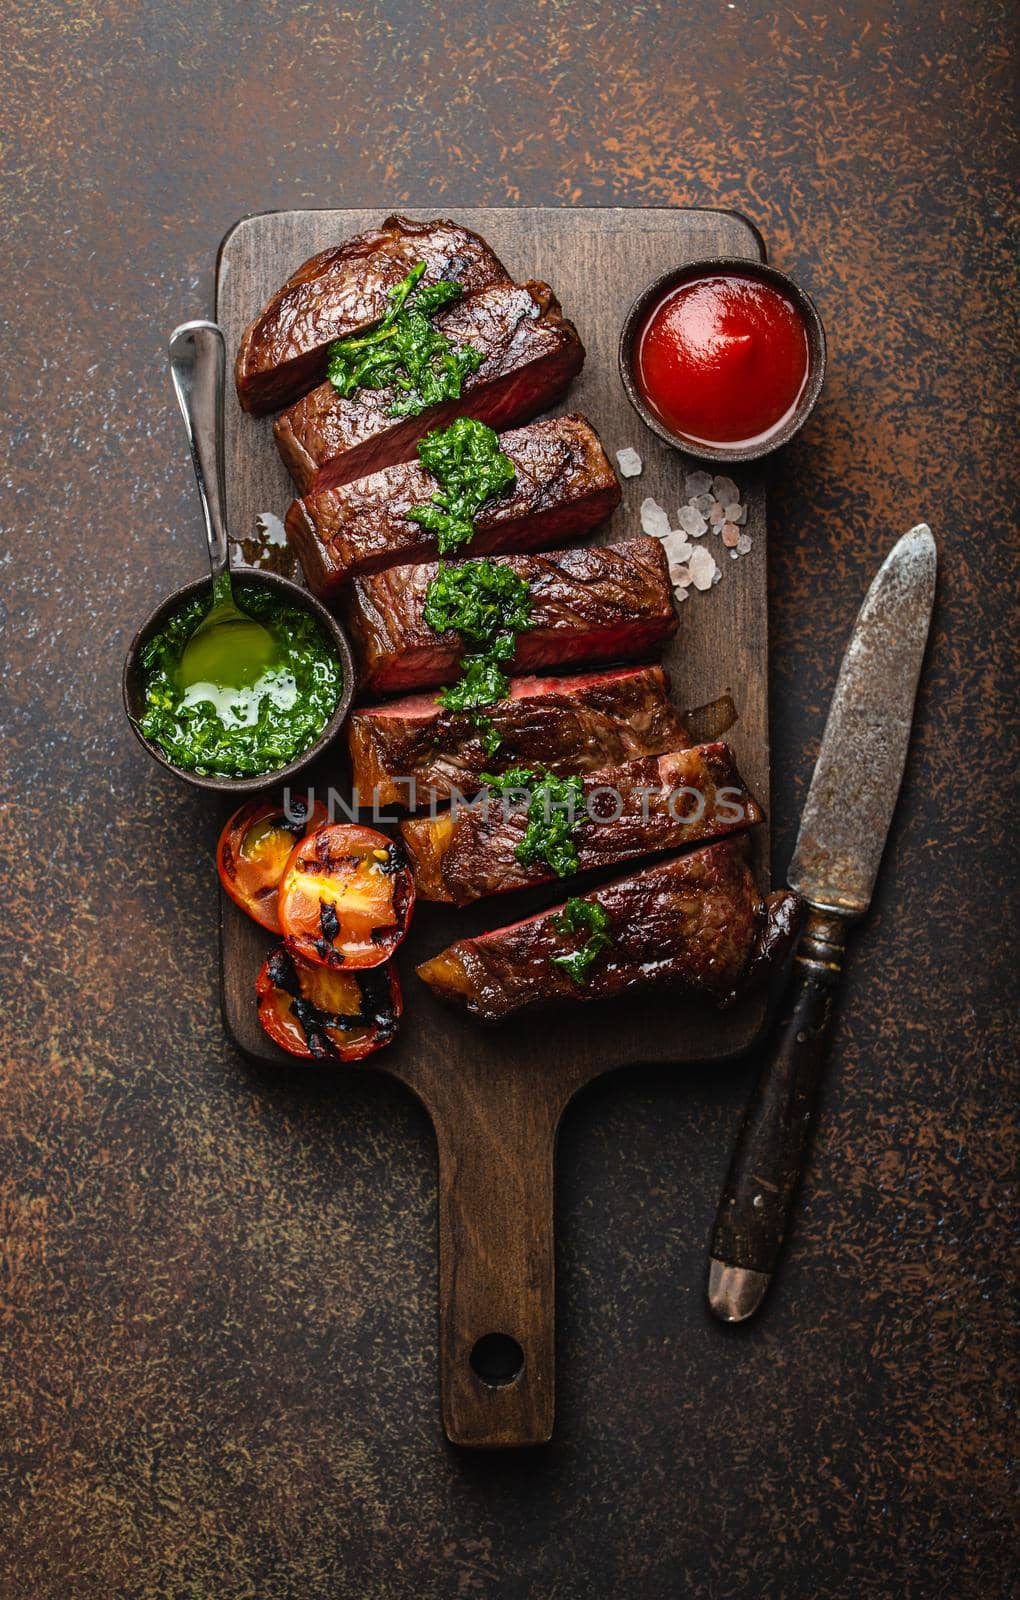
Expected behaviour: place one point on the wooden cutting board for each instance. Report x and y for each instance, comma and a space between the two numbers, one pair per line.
496, 1097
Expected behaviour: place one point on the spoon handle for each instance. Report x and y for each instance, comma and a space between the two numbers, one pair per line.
197, 365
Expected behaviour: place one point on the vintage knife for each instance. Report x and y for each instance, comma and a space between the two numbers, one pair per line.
835, 863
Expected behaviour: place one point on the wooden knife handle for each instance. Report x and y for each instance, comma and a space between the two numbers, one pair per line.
769, 1157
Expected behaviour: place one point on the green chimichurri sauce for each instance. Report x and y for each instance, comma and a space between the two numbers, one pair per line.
555, 806
488, 605
471, 469
404, 352
582, 917
217, 729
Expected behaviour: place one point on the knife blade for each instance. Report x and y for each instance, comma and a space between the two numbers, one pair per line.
844, 827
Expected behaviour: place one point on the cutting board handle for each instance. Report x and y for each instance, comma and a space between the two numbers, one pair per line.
497, 1263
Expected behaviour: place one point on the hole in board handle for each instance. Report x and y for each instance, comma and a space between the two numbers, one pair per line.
497, 1360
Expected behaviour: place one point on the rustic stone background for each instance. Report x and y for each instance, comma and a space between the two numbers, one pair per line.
217, 1289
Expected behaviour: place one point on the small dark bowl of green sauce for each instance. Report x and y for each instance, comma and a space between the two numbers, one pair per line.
274, 730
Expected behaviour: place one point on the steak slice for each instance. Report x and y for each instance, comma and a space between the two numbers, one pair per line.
530, 352
564, 487
342, 290
697, 921
657, 803
605, 603
575, 724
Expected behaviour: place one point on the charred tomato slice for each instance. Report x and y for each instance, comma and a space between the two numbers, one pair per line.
327, 1015
254, 848
346, 897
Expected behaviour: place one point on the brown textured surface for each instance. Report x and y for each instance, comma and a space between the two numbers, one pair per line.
218, 1286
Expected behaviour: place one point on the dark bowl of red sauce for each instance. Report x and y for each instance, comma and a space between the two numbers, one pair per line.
724, 359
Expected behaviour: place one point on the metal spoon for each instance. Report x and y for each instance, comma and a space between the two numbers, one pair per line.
228, 649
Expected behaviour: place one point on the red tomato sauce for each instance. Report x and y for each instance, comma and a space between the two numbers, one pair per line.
722, 360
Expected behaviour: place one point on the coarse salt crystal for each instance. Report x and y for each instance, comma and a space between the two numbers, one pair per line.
629, 463
692, 522
679, 594
676, 546
729, 534
702, 568
716, 515
654, 519
270, 528
725, 490
735, 512
703, 503
696, 483
744, 543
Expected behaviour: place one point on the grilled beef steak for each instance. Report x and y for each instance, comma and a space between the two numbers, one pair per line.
590, 605
564, 487
343, 290
530, 352
697, 921
657, 803
412, 752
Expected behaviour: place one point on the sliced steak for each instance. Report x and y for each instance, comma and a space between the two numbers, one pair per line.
412, 752
343, 290
658, 803
697, 921
530, 352
564, 487
606, 603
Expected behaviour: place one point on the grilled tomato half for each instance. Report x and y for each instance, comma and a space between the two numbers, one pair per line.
346, 897
253, 851
326, 1015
